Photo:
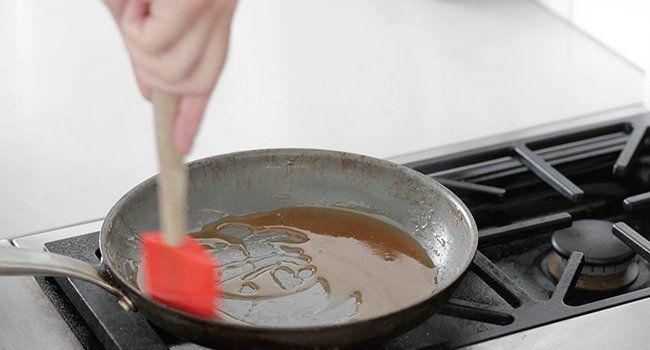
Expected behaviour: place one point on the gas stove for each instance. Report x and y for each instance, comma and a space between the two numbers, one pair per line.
563, 225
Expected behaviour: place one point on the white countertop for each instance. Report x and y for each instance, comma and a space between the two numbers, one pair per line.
380, 77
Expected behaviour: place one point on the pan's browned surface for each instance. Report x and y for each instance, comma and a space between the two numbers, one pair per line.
267, 180
306, 266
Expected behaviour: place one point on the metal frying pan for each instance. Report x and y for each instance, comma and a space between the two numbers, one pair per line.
256, 181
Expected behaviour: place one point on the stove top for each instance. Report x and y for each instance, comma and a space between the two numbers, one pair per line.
562, 218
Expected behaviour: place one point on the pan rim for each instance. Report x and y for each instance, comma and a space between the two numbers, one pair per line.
449, 283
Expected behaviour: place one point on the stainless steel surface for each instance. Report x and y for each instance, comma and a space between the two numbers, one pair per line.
25, 262
621, 327
37, 241
621, 112
263, 180
29, 320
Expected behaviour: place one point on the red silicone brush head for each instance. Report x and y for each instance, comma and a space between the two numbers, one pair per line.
184, 277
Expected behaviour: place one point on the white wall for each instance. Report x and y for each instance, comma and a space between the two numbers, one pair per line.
622, 25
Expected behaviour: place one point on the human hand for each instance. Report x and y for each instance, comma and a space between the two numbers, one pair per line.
177, 46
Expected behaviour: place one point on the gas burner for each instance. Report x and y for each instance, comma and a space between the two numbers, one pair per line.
609, 264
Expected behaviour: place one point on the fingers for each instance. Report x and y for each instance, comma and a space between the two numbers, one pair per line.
198, 79
178, 61
166, 22
190, 114
209, 67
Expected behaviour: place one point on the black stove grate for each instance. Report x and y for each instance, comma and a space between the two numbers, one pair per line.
99, 310
519, 192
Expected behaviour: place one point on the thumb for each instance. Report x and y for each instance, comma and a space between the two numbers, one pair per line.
190, 114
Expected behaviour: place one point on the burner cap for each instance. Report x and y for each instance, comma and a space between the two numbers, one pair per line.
595, 239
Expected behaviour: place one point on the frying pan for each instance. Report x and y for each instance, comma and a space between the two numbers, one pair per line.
264, 180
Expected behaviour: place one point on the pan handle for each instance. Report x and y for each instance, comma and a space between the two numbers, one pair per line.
21, 262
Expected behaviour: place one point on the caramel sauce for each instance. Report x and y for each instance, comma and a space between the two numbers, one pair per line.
306, 266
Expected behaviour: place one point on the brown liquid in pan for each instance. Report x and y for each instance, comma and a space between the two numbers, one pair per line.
305, 266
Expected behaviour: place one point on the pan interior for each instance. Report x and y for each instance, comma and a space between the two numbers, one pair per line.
307, 266
259, 181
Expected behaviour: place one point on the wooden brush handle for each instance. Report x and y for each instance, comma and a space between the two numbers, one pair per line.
172, 181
